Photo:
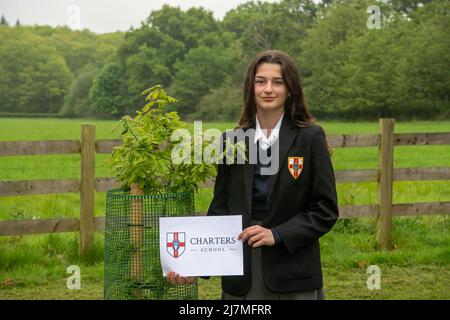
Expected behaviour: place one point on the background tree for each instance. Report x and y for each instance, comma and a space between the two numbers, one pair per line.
77, 103
325, 51
3, 21
348, 70
203, 69
262, 25
188, 27
33, 76
422, 88
408, 6
223, 103
107, 91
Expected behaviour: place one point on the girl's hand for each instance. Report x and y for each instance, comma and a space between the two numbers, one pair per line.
175, 278
257, 236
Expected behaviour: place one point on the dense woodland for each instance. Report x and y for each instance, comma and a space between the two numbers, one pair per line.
349, 71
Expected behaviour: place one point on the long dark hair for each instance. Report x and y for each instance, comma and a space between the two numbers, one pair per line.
295, 105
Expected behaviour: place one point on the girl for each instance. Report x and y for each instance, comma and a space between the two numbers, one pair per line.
285, 211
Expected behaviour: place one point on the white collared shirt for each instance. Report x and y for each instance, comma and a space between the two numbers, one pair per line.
265, 142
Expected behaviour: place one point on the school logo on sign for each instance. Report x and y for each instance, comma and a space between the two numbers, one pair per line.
295, 166
175, 243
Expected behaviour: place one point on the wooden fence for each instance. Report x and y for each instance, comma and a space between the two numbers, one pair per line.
88, 184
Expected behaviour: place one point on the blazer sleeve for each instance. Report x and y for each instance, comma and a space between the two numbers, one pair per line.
219, 203
322, 211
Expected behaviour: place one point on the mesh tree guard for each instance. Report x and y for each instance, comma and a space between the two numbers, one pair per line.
132, 265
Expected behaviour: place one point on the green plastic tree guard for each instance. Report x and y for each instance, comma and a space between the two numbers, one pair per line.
132, 265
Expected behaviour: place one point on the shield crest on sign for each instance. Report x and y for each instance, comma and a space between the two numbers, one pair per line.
295, 166
175, 243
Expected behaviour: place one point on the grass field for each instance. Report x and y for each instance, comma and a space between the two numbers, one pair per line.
34, 267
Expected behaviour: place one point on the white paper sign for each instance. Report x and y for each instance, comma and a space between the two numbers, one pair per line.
201, 246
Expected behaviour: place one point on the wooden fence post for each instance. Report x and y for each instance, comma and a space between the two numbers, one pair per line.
385, 183
87, 189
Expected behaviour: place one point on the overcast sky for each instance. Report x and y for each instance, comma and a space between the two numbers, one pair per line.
100, 15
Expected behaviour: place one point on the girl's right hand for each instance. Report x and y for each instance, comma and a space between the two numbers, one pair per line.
175, 278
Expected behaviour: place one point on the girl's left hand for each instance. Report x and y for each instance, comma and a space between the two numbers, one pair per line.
257, 236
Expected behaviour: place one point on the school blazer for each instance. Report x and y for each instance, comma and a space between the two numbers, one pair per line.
302, 210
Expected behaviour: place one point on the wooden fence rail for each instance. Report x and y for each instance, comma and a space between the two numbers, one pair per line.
88, 184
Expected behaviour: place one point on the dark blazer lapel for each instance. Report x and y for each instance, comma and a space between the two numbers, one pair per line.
288, 132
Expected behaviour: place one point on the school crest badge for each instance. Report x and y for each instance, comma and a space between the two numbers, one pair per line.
295, 166
175, 243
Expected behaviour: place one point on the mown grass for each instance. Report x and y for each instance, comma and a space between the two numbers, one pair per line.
34, 267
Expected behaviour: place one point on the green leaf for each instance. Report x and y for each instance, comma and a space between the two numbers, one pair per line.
145, 156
